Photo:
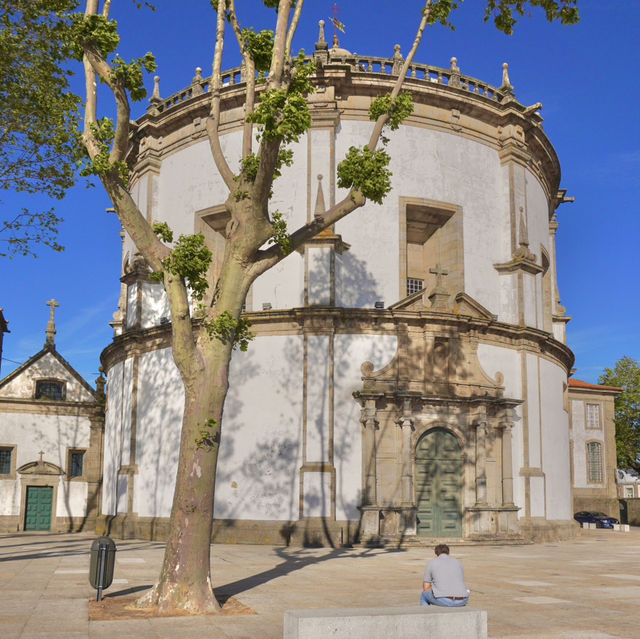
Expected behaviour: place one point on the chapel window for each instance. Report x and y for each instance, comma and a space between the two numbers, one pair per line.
76, 463
414, 285
593, 416
594, 462
48, 389
6, 455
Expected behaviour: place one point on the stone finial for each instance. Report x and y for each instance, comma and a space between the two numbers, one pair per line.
155, 96
196, 83
507, 89
398, 60
155, 99
320, 206
100, 383
523, 252
51, 325
506, 82
454, 77
336, 42
321, 44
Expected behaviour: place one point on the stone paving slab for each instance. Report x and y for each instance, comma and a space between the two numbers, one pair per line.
587, 588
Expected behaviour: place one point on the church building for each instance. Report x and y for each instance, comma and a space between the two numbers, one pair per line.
51, 432
409, 375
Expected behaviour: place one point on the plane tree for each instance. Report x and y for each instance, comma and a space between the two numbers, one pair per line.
38, 118
257, 238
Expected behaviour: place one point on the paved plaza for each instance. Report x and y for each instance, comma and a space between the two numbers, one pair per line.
588, 588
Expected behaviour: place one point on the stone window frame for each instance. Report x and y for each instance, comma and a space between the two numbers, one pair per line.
587, 422
74, 451
455, 213
50, 380
600, 445
627, 489
14, 454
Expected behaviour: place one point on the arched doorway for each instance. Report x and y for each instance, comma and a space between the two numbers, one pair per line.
439, 484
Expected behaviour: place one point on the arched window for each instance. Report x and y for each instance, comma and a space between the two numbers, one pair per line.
594, 462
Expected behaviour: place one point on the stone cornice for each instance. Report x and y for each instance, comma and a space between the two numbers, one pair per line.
329, 319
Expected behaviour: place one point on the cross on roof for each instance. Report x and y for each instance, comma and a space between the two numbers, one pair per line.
439, 271
337, 25
51, 326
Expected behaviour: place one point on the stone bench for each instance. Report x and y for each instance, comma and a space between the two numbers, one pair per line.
410, 622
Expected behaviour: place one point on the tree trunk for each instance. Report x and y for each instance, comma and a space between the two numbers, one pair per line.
185, 580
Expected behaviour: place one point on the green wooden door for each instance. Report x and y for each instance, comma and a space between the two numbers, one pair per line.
439, 485
38, 510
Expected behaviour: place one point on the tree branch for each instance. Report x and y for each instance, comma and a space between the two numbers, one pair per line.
292, 30
185, 353
213, 122
250, 80
383, 119
279, 41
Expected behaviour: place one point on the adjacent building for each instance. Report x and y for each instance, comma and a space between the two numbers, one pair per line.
593, 447
51, 428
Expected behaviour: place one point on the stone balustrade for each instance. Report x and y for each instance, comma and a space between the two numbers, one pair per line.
451, 77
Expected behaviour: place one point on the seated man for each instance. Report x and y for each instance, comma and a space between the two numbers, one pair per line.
443, 583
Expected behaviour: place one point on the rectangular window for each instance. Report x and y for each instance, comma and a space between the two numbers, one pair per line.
414, 285
593, 416
46, 389
628, 491
5, 460
76, 464
594, 462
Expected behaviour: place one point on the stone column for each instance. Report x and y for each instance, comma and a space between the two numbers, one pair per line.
370, 424
405, 422
507, 464
480, 425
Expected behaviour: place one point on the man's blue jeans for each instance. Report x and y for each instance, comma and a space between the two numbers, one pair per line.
429, 599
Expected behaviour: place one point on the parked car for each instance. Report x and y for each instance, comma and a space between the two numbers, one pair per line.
592, 517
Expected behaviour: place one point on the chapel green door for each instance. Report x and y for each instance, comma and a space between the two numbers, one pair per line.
439, 485
38, 509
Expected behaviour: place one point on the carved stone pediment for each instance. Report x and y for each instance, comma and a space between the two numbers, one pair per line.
466, 305
463, 304
413, 302
434, 363
40, 468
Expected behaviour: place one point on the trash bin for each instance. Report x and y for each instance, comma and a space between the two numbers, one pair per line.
103, 556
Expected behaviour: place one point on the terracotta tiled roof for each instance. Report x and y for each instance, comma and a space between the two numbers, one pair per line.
578, 383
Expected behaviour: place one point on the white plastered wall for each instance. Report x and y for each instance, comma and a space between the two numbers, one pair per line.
555, 441
160, 407
117, 433
53, 435
428, 164
261, 448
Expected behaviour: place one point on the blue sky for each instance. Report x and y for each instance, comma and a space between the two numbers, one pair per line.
586, 76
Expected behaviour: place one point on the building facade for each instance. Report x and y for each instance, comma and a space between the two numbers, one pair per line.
51, 428
408, 378
593, 447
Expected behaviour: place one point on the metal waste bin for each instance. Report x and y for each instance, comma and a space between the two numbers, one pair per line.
103, 557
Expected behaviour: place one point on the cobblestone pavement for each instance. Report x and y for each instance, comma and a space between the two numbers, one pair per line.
587, 588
